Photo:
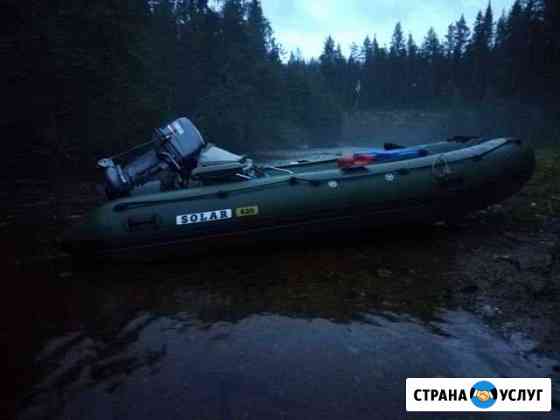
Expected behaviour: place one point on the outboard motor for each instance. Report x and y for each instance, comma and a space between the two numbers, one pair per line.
175, 147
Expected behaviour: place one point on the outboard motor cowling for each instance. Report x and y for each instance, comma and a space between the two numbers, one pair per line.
175, 147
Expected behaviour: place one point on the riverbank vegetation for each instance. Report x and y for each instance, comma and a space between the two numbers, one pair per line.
88, 79
540, 199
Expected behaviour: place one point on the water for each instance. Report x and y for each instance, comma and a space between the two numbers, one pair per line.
270, 366
321, 332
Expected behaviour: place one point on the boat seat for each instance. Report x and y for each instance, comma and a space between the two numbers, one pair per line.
217, 171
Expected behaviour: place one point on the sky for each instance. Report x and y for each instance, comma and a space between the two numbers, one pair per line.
305, 24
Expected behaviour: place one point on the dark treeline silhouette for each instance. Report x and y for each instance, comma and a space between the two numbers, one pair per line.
514, 57
89, 78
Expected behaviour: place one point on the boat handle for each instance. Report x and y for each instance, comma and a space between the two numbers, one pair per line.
135, 223
274, 168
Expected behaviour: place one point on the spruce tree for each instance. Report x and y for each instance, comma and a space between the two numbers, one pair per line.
449, 43
459, 66
397, 65
398, 45
432, 54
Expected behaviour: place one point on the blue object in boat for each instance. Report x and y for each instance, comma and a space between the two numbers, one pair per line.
397, 154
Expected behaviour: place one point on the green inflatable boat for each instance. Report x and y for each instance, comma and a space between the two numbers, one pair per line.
178, 191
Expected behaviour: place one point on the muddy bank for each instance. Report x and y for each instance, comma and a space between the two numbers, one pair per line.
510, 270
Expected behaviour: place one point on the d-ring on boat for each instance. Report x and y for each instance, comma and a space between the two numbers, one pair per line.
178, 190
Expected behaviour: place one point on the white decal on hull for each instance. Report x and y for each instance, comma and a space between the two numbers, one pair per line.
204, 217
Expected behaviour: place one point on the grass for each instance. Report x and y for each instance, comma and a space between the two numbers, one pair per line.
540, 199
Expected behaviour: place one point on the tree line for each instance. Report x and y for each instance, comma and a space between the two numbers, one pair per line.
84, 79
513, 57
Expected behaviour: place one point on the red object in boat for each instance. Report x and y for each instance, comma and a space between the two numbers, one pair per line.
356, 160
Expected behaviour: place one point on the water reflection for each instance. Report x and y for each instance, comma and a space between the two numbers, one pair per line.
297, 332
268, 366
